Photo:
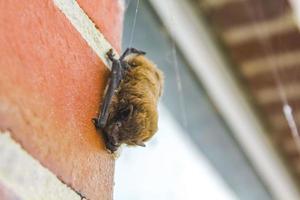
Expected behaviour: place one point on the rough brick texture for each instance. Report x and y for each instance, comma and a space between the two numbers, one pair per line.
51, 84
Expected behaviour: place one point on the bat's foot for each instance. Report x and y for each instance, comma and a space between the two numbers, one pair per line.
110, 54
135, 51
96, 123
129, 51
111, 148
110, 143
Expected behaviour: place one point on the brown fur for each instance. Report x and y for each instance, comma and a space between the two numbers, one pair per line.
141, 89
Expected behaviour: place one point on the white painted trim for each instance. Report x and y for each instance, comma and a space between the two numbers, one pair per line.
86, 28
267, 28
268, 95
265, 64
26, 177
295, 4
218, 3
199, 49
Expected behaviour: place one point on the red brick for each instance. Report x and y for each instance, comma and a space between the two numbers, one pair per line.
51, 85
99, 11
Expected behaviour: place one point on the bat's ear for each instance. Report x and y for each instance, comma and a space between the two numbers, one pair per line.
141, 144
126, 112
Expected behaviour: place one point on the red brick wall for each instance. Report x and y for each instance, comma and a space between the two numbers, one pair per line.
51, 83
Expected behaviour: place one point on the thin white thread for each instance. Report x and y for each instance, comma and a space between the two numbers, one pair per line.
286, 108
134, 22
127, 5
177, 72
179, 84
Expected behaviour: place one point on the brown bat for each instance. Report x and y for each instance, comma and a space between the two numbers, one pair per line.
129, 110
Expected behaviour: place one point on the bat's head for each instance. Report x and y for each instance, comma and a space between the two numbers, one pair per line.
131, 124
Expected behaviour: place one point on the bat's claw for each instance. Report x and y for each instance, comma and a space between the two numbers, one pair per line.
135, 51
129, 51
110, 54
111, 148
95, 122
139, 52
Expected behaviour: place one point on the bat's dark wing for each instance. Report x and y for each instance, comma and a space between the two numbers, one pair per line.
113, 84
117, 72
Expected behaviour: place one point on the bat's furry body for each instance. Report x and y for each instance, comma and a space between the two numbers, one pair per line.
132, 114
